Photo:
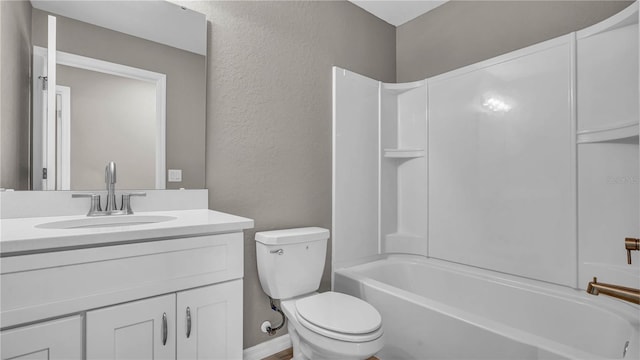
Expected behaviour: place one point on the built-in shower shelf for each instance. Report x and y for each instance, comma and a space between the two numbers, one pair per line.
404, 153
405, 243
401, 87
621, 131
403, 237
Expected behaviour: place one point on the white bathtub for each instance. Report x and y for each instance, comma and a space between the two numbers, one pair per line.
433, 309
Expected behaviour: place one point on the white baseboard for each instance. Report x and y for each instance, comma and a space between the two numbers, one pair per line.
267, 348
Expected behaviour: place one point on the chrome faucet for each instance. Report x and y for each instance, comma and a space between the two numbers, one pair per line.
111, 208
110, 180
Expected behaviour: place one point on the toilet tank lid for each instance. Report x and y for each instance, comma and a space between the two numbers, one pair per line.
292, 236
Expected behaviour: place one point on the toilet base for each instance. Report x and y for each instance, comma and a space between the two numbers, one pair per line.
305, 351
308, 345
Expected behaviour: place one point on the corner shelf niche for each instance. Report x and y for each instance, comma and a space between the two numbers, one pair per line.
403, 176
607, 79
404, 153
613, 133
607, 152
396, 89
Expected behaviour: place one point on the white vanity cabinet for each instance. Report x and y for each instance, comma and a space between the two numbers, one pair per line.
52, 340
209, 322
142, 329
163, 293
207, 325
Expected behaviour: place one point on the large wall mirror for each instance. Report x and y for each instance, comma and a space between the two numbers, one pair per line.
121, 81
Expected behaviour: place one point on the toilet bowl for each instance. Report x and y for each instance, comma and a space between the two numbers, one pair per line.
327, 325
333, 326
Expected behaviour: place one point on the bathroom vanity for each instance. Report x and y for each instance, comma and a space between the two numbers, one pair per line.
153, 285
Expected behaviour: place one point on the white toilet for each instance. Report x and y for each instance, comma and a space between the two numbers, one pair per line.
329, 325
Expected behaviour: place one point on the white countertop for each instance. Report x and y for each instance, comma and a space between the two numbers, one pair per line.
21, 236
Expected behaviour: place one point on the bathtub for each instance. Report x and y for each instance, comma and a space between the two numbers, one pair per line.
432, 309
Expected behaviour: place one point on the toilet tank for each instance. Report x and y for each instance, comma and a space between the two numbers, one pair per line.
291, 261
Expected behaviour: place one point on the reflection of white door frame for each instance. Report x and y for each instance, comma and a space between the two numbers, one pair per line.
160, 80
43, 157
62, 145
39, 119
63, 138
50, 122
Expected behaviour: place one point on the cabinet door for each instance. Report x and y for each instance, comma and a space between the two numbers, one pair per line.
59, 339
210, 322
142, 329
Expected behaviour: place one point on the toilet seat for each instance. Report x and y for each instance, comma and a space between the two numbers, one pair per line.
361, 338
339, 316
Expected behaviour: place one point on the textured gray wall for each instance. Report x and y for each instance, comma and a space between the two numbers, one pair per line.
15, 104
460, 33
186, 84
269, 115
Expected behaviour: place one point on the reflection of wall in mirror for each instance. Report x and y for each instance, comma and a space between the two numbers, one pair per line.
15, 56
186, 86
116, 118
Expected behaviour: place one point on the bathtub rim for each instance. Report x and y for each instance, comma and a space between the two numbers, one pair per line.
625, 311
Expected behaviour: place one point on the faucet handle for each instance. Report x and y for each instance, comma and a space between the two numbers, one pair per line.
126, 201
110, 173
95, 207
631, 244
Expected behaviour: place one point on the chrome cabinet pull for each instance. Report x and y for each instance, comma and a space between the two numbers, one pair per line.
188, 322
165, 330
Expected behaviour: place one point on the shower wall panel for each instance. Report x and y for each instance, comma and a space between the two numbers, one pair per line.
355, 167
502, 166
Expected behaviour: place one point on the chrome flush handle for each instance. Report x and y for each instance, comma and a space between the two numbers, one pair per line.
277, 251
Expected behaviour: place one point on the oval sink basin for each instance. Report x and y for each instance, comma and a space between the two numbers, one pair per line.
106, 221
